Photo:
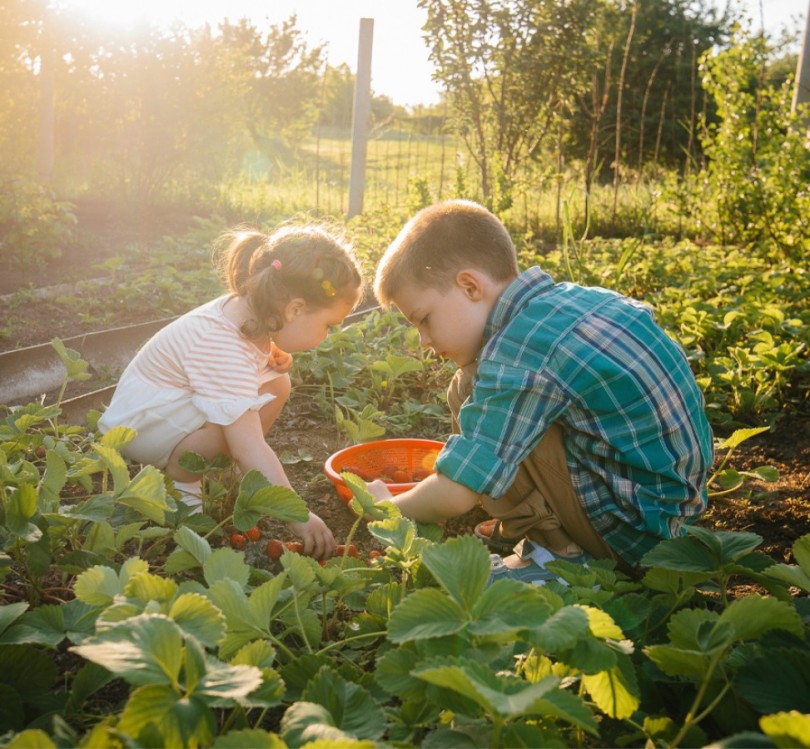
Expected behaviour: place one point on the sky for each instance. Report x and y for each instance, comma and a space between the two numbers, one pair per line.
400, 68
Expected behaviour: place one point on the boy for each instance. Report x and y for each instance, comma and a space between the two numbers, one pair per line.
580, 426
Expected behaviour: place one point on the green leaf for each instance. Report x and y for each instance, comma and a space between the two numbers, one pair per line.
28, 670
259, 653
364, 503
308, 723
147, 587
175, 718
146, 494
116, 465
398, 532
801, 551
351, 708
249, 738
44, 625
563, 629
193, 544
776, 680
461, 566
22, 505
118, 437
225, 563
53, 480
31, 738
425, 614
97, 586
225, 681
9, 612
74, 364
701, 551
394, 673
199, 618
615, 692
738, 437
504, 609
262, 601
753, 615
508, 697
95, 510
258, 497
787, 729
146, 649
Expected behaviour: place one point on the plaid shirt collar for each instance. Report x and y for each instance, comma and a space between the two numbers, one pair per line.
515, 297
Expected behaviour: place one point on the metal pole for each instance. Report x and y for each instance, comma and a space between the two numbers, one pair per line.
802, 93
360, 118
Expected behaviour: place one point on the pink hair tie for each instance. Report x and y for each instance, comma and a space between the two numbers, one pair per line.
276, 264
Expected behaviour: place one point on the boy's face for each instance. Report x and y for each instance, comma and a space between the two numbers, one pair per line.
451, 321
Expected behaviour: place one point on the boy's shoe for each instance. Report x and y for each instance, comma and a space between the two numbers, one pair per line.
490, 533
535, 573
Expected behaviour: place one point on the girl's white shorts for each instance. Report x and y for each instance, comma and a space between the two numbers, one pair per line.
164, 416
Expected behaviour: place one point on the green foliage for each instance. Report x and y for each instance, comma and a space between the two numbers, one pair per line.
374, 378
759, 162
212, 647
34, 224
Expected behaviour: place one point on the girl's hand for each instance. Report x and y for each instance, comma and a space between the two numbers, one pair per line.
278, 360
318, 539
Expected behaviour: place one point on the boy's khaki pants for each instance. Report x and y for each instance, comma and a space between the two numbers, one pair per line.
541, 504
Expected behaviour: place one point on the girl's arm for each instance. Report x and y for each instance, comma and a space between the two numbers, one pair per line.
249, 449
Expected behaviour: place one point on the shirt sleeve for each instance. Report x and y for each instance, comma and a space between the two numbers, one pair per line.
509, 412
223, 375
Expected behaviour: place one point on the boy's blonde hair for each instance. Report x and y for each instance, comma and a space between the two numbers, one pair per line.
442, 240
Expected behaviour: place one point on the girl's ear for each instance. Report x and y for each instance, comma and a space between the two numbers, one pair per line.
471, 284
294, 308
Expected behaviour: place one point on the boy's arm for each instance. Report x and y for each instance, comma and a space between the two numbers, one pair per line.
434, 499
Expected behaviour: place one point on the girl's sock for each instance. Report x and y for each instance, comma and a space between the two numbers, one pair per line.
190, 495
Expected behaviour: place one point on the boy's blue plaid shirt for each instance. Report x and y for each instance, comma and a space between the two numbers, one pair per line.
638, 443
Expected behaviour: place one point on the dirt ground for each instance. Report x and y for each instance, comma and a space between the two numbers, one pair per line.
778, 512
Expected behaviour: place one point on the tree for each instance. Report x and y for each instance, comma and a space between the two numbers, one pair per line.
20, 34
510, 70
280, 76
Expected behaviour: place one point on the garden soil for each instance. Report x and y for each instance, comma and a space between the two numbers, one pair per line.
778, 512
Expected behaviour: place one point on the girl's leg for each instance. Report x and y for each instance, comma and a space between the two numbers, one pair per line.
209, 440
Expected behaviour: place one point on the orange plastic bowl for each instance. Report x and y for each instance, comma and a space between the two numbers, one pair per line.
369, 460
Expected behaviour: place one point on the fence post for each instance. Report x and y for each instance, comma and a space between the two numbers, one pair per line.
360, 117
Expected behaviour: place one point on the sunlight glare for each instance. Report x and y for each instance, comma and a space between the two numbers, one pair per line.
127, 13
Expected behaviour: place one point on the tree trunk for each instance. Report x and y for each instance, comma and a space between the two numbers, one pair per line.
619, 91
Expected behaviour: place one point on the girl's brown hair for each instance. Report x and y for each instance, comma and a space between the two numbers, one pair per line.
269, 270
441, 240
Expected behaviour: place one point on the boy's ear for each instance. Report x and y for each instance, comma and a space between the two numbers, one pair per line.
471, 284
294, 308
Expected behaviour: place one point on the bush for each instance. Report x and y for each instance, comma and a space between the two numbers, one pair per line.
33, 224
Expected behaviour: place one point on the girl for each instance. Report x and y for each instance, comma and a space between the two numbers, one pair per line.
215, 380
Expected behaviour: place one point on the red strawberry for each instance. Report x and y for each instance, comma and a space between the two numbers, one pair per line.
275, 549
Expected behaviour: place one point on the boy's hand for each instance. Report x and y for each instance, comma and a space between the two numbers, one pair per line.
379, 489
318, 539
278, 360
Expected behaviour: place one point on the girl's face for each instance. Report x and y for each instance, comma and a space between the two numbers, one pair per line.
305, 327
